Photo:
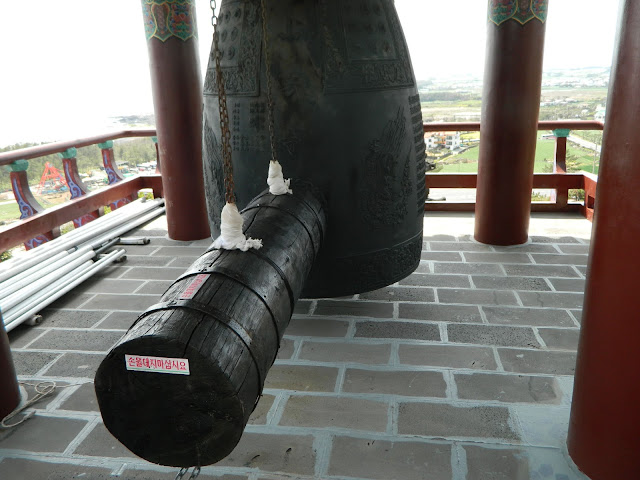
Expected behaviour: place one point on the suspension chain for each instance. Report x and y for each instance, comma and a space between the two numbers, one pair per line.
267, 61
184, 470
224, 113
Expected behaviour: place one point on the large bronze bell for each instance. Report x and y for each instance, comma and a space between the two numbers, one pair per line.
349, 131
347, 119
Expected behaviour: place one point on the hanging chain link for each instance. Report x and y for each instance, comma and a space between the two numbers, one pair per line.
184, 470
224, 112
267, 61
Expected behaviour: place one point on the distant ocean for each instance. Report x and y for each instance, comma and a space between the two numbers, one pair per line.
57, 126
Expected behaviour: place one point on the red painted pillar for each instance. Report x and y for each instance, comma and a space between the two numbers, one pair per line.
9, 392
509, 124
604, 429
170, 27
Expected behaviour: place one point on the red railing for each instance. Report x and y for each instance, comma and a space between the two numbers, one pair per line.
39, 225
7, 158
543, 125
560, 181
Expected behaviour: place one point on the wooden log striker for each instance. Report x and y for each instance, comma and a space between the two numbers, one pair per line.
225, 316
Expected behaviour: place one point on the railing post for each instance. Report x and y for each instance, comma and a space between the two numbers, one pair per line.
108, 160
509, 126
590, 185
158, 166
560, 196
77, 188
604, 425
9, 391
113, 172
27, 203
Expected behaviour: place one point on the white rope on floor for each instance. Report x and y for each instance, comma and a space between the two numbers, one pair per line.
43, 389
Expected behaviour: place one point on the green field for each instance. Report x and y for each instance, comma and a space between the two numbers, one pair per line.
470, 136
9, 211
467, 162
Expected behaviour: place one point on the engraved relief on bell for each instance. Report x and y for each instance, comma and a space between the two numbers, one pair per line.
347, 118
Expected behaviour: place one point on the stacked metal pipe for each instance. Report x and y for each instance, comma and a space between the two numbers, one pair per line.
34, 280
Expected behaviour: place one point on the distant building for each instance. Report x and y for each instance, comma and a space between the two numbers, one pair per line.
431, 139
449, 140
601, 112
452, 141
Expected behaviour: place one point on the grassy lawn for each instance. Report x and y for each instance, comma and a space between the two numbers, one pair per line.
545, 149
471, 154
9, 211
585, 159
471, 167
470, 136
467, 162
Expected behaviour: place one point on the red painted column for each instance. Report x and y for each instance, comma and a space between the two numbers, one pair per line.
509, 123
9, 391
604, 428
170, 27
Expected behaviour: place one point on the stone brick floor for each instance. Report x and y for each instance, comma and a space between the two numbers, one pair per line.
461, 371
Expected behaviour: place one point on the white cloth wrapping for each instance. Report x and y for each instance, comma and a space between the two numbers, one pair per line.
231, 236
277, 184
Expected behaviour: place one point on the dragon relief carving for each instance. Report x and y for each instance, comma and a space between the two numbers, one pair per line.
384, 195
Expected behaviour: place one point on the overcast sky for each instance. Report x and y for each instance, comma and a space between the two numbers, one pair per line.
67, 66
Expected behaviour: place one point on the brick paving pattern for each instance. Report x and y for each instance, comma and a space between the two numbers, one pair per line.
461, 371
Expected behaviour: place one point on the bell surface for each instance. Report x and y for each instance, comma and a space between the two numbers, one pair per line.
347, 119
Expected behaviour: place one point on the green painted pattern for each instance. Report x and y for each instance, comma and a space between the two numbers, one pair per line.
501, 10
561, 132
164, 19
522, 11
106, 145
19, 166
69, 153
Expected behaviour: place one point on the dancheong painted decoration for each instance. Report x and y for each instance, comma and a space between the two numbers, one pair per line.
164, 19
521, 11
